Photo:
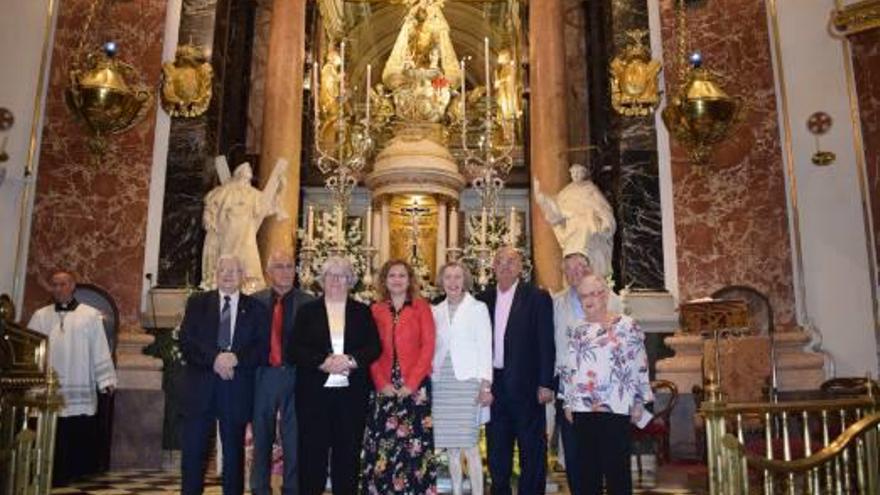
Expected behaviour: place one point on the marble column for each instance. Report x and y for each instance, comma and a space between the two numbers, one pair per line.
282, 117
548, 128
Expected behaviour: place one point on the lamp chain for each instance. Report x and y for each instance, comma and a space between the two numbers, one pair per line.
682, 44
90, 17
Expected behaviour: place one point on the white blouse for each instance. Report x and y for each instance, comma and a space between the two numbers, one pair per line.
467, 336
336, 321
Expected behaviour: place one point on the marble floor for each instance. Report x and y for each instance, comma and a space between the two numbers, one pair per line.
676, 479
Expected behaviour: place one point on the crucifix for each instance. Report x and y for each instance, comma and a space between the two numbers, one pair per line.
414, 212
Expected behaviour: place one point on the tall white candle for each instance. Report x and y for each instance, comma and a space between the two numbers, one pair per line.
342, 71
463, 94
340, 226
487, 68
310, 223
315, 91
453, 227
484, 226
367, 95
511, 226
368, 220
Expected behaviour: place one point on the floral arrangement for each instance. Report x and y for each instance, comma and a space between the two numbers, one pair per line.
323, 243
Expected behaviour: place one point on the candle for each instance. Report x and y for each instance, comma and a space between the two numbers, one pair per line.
310, 223
342, 72
340, 227
488, 74
315, 91
484, 225
463, 94
511, 226
368, 220
453, 227
367, 93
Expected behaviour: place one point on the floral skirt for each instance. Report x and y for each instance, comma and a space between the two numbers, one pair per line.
399, 445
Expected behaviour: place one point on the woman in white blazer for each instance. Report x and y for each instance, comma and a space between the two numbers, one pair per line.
462, 374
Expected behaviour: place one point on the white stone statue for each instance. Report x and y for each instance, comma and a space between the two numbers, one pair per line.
582, 219
233, 213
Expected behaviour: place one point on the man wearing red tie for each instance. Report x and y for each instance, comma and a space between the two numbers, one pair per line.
275, 384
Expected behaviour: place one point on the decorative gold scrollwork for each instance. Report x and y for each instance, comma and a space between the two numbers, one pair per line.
186, 83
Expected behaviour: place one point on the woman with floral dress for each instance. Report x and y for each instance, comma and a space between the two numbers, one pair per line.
398, 445
605, 387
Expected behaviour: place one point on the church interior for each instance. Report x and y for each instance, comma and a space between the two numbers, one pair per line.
717, 161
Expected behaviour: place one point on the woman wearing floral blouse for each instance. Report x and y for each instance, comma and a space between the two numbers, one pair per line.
605, 387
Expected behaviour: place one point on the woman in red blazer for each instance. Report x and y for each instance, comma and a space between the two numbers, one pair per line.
399, 444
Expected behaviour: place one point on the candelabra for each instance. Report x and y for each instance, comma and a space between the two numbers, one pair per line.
342, 158
487, 165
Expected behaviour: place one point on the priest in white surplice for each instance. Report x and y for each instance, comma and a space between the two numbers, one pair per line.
79, 353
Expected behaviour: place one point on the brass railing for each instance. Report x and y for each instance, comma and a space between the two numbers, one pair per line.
29, 405
801, 447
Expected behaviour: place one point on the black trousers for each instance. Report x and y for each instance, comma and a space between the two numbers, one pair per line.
76, 453
331, 425
524, 423
604, 447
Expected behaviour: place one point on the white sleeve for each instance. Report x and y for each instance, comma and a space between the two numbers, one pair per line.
484, 340
102, 362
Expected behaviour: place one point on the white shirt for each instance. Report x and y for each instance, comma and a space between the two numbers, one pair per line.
467, 336
79, 353
233, 310
336, 321
503, 305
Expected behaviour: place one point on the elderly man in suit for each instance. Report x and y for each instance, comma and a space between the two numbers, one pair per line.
522, 361
223, 339
276, 381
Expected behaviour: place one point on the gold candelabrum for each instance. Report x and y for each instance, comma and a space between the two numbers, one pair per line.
700, 114
488, 165
343, 157
102, 92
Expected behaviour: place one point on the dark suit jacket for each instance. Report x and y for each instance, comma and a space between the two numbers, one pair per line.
198, 344
290, 304
311, 345
529, 350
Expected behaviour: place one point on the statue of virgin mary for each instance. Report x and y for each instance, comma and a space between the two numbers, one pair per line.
424, 29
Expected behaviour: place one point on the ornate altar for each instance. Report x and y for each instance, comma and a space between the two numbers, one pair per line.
29, 404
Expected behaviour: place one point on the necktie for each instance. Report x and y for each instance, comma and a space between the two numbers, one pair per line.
275, 342
224, 336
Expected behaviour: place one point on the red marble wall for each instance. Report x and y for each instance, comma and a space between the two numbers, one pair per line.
866, 66
92, 219
731, 222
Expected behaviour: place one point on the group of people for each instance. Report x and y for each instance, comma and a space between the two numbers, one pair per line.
371, 395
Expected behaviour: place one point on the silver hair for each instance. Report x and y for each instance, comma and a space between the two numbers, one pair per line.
579, 255
468, 277
230, 257
599, 280
339, 263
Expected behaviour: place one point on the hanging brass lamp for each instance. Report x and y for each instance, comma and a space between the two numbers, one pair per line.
700, 114
104, 93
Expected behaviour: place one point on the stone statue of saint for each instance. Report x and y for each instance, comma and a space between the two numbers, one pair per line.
582, 219
233, 213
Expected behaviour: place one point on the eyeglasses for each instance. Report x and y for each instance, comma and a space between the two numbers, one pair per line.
335, 276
